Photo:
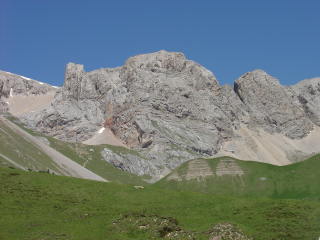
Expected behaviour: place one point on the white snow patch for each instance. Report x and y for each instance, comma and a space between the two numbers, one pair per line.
9, 73
101, 130
25, 78
7, 102
41, 83
11, 94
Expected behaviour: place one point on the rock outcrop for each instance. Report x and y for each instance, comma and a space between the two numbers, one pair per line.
270, 105
308, 94
12, 84
20, 94
171, 109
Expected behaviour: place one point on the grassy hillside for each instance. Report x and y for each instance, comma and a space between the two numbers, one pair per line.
300, 180
18, 152
42, 206
90, 157
197, 200
87, 156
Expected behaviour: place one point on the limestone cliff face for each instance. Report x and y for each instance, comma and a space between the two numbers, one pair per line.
19, 85
271, 106
308, 94
12, 85
172, 109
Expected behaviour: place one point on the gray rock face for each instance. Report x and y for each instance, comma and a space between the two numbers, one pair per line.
171, 109
68, 120
307, 92
75, 114
270, 105
13, 85
19, 85
130, 162
4, 107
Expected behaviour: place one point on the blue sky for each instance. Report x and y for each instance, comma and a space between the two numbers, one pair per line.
229, 37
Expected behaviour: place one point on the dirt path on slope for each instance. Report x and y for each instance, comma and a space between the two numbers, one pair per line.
66, 164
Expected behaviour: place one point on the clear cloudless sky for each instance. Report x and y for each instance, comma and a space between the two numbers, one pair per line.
229, 37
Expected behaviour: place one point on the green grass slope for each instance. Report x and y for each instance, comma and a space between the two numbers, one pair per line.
18, 152
42, 206
87, 156
300, 180
90, 157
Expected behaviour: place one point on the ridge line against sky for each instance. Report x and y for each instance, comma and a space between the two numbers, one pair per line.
229, 37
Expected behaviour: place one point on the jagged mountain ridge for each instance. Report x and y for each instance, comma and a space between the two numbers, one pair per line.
19, 94
172, 109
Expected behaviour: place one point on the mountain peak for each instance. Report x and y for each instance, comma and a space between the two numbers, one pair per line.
257, 76
172, 109
174, 61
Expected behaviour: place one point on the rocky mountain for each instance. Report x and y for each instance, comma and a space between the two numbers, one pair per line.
308, 94
171, 109
19, 94
270, 105
13, 84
